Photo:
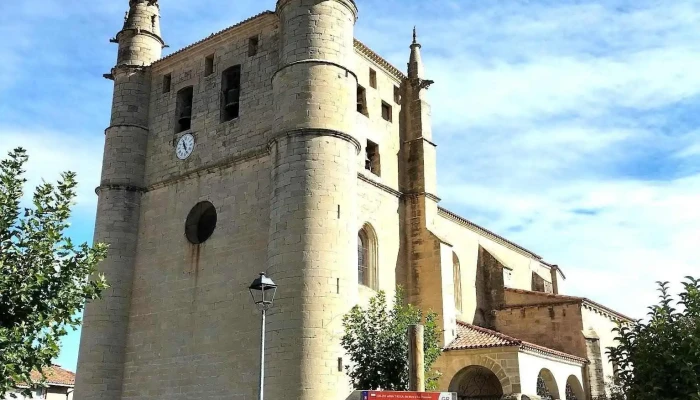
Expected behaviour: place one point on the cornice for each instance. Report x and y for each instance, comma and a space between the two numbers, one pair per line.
376, 58
485, 232
378, 185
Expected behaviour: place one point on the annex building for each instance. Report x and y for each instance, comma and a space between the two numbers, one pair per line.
282, 144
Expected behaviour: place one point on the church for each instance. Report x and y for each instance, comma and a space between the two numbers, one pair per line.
283, 144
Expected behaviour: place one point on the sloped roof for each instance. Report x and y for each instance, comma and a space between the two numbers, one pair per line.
55, 375
359, 46
213, 35
565, 298
483, 231
475, 337
471, 337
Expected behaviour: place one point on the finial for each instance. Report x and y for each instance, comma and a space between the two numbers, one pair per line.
415, 36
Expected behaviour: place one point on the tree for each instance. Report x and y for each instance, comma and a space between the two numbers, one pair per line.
660, 359
375, 339
44, 278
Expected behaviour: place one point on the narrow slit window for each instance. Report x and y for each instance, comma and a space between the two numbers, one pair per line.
253, 45
373, 78
457, 279
362, 101
372, 159
230, 93
397, 95
184, 109
167, 82
209, 65
387, 112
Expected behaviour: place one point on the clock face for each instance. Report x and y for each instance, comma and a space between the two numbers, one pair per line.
185, 146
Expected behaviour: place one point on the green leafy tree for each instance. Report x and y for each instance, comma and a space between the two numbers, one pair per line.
375, 339
44, 278
660, 359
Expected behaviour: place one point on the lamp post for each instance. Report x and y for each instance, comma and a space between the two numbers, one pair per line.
263, 291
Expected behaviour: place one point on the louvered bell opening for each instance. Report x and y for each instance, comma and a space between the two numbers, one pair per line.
186, 115
185, 119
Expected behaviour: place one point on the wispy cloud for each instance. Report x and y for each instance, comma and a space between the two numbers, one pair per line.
570, 127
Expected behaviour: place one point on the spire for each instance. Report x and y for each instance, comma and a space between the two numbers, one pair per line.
139, 40
415, 64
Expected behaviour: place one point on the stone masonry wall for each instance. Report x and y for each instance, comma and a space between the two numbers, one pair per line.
193, 330
216, 142
557, 326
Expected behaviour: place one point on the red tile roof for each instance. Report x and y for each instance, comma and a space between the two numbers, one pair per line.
475, 337
55, 375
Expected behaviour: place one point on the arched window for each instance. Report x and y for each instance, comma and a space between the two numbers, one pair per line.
367, 257
457, 279
547, 386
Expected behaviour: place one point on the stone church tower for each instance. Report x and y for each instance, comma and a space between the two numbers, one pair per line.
283, 144
309, 199
102, 349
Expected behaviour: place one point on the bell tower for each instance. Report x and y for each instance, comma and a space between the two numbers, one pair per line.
312, 246
103, 340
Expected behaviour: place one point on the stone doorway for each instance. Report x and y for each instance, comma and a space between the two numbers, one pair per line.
476, 383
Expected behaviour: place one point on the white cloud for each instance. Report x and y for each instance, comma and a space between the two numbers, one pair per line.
51, 153
554, 120
561, 126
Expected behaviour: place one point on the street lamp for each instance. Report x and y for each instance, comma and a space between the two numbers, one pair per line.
263, 291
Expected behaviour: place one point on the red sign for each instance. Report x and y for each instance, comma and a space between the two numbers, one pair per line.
380, 395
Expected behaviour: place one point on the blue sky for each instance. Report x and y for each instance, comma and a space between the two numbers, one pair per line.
571, 127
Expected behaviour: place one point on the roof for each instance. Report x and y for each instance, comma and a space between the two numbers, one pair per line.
55, 375
359, 46
369, 53
221, 32
568, 299
479, 229
475, 337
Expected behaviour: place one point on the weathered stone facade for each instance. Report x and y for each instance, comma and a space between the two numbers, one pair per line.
303, 137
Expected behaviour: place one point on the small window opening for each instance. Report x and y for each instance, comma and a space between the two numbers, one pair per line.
253, 44
184, 109
507, 277
372, 160
167, 81
387, 113
200, 223
397, 95
230, 93
209, 65
362, 101
373, 78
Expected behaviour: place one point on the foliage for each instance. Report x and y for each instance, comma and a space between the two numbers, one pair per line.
44, 277
660, 359
375, 338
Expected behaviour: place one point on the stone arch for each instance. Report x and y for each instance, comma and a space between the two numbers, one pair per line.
574, 389
367, 256
460, 364
476, 382
547, 386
